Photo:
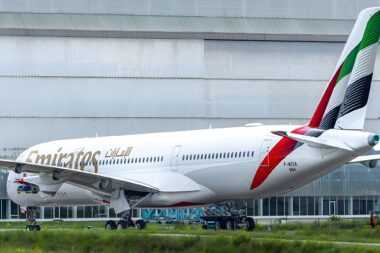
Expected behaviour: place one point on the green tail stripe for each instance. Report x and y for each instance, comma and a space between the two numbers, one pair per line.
372, 31
348, 63
370, 36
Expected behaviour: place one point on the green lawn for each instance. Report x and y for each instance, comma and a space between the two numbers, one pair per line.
295, 237
119, 241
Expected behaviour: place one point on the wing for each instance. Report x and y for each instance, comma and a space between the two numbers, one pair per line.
103, 184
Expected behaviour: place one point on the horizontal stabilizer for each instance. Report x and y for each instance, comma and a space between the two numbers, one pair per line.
365, 158
319, 142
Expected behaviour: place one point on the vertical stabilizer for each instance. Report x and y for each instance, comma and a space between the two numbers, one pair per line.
343, 104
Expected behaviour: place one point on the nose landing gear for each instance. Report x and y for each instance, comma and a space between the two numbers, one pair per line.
31, 213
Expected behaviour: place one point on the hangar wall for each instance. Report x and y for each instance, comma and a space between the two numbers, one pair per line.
73, 69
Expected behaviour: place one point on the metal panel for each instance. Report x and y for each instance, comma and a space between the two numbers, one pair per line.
273, 60
92, 57
168, 98
124, 26
241, 8
47, 56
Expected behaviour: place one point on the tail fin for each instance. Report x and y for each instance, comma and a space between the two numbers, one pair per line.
344, 102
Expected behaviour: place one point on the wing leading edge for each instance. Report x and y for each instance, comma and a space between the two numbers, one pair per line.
103, 184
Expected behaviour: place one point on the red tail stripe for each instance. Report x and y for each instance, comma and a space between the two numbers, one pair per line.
318, 113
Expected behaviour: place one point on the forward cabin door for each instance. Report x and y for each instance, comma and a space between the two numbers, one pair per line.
175, 158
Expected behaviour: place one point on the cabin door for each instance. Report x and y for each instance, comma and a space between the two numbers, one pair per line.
175, 158
264, 152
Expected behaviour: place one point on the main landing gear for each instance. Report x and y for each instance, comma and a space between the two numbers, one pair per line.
227, 217
125, 222
228, 222
31, 213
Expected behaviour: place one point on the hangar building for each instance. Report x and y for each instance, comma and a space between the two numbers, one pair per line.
84, 68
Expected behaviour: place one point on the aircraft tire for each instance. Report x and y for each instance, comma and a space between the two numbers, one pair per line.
140, 224
110, 225
121, 224
229, 224
249, 223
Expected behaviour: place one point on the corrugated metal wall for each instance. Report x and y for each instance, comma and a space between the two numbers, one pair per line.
168, 58
71, 79
341, 9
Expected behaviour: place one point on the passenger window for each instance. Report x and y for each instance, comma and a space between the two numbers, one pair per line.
244, 154
213, 155
216, 156
162, 158
252, 154
198, 157
239, 154
236, 154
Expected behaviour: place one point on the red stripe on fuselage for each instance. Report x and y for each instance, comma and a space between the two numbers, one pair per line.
282, 148
285, 146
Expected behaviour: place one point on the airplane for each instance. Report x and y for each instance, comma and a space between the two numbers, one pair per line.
201, 167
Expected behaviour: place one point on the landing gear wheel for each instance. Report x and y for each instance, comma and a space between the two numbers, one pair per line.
217, 225
110, 225
249, 223
140, 224
122, 224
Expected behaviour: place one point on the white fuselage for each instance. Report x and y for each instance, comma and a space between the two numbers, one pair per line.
223, 162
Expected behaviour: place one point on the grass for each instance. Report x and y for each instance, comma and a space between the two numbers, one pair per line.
292, 237
120, 241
